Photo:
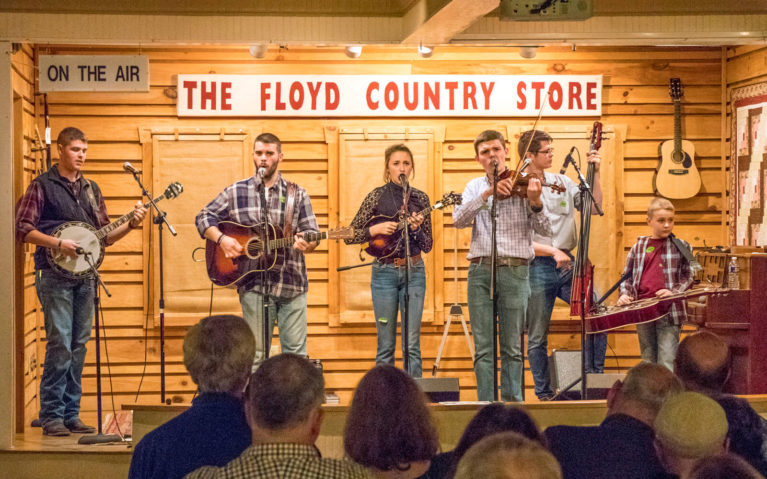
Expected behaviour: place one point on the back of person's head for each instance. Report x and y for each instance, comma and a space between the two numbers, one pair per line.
219, 352
283, 392
703, 362
495, 418
746, 430
646, 386
724, 466
508, 455
389, 425
691, 425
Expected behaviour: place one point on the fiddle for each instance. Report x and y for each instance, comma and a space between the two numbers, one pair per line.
522, 181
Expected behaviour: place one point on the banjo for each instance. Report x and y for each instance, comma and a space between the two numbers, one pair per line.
91, 240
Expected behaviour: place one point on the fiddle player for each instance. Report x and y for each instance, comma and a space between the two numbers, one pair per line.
658, 268
517, 218
551, 272
376, 216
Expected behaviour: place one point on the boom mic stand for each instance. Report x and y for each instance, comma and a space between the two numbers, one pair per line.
99, 437
159, 219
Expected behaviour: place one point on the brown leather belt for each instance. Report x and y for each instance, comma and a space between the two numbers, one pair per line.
399, 262
501, 261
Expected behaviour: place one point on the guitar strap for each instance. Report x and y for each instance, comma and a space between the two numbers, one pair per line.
685, 252
290, 204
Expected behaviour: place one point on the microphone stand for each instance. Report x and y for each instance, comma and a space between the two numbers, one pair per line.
493, 287
263, 274
99, 437
584, 188
405, 319
159, 219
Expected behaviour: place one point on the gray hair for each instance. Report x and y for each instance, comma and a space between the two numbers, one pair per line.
649, 385
508, 455
284, 391
219, 352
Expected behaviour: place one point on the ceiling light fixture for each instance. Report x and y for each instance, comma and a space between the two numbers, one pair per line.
258, 50
528, 52
353, 51
425, 51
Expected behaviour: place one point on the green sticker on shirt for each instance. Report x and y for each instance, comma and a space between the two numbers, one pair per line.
563, 204
282, 199
650, 249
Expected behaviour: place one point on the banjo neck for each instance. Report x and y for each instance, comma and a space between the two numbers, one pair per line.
103, 232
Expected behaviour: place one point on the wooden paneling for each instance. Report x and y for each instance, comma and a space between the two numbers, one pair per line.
635, 100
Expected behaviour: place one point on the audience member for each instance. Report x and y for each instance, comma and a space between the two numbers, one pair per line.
689, 427
389, 428
283, 406
724, 466
508, 455
218, 353
490, 419
622, 446
703, 363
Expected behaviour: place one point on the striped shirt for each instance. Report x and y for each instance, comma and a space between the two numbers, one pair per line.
283, 461
516, 222
676, 272
241, 204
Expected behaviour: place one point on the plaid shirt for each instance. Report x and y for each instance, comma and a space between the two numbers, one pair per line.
30, 206
241, 203
283, 461
676, 272
516, 222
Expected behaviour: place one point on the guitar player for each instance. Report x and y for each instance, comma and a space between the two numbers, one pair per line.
57, 196
288, 206
658, 268
378, 216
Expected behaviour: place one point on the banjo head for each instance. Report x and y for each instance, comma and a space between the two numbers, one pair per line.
85, 236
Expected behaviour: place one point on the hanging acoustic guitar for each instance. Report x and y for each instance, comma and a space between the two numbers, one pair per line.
92, 240
677, 176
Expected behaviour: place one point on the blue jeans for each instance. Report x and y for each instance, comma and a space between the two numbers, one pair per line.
513, 292
289, 315
387, 284
658, 341
547, 283
68, 312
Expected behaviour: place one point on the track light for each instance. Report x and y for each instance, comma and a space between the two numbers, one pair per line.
353, 51
258, 50
528, 52
425, 51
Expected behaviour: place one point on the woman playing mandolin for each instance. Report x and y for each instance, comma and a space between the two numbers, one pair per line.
379, 221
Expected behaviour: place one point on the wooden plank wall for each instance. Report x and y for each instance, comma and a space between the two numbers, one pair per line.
27, 161
635, 95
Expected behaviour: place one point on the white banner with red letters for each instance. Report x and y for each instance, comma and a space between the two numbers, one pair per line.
389, 95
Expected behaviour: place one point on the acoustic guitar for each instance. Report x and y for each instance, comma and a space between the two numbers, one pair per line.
232, 272
677, 176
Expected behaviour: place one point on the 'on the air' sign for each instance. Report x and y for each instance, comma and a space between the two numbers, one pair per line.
94, 73
389, 95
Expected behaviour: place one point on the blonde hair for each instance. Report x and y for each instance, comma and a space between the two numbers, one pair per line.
659, 203
508, 455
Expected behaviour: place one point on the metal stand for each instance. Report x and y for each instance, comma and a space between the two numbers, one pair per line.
405, 319
493, 287
455, 311
264, 277
99, 437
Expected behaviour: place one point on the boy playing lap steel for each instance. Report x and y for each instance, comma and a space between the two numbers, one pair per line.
658, 268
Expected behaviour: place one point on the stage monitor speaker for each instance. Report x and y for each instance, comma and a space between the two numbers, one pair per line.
565, 367
439, 389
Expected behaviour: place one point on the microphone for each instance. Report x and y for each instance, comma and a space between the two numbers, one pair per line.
568, 159
79, 250
130, 168
261, 172
525, 164
403, 179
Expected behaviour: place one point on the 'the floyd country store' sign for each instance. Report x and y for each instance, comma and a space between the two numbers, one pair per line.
389, 95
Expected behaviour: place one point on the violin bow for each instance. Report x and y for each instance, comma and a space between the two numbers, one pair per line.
530, 141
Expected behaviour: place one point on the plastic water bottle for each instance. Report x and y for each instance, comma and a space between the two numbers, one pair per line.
733, 280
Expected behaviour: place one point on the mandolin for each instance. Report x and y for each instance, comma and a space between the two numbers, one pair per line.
677, 176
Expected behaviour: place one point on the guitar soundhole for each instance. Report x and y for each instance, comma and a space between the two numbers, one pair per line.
678, 157
253, 248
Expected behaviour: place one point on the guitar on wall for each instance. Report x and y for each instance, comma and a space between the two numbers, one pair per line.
92, 240
382, 246
676, 175
232, 272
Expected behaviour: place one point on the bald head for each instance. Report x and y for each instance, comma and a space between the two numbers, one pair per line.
703, 362
643, 391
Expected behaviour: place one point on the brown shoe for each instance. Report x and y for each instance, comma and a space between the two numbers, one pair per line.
78, 427
55, 428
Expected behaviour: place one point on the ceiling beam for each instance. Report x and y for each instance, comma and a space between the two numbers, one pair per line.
425, 24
